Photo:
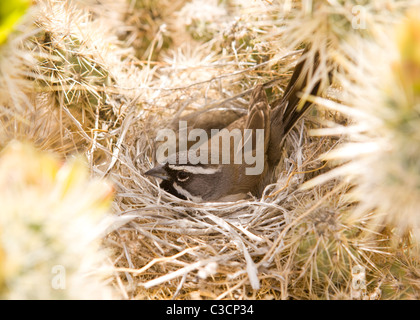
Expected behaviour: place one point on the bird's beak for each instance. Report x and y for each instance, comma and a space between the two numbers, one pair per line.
158, 172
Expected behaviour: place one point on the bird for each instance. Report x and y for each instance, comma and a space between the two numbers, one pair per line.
219, 181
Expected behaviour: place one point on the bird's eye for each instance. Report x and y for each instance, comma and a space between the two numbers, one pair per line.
182, 176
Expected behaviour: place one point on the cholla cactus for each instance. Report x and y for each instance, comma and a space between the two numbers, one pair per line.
84, 78
330, 28
202, 18
18, 103
326, 252
384, 139
15, 61
72, 68
52, 216
149, 26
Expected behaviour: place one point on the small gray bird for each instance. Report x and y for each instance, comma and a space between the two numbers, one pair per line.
218, 181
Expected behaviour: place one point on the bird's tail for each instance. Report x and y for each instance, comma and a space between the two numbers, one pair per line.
287, 110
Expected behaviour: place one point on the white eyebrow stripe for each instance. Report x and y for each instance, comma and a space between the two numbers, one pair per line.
195, 169
185, 193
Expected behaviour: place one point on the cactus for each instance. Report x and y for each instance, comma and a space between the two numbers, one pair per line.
51, 219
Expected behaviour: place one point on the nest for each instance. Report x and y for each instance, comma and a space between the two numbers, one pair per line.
180, 249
